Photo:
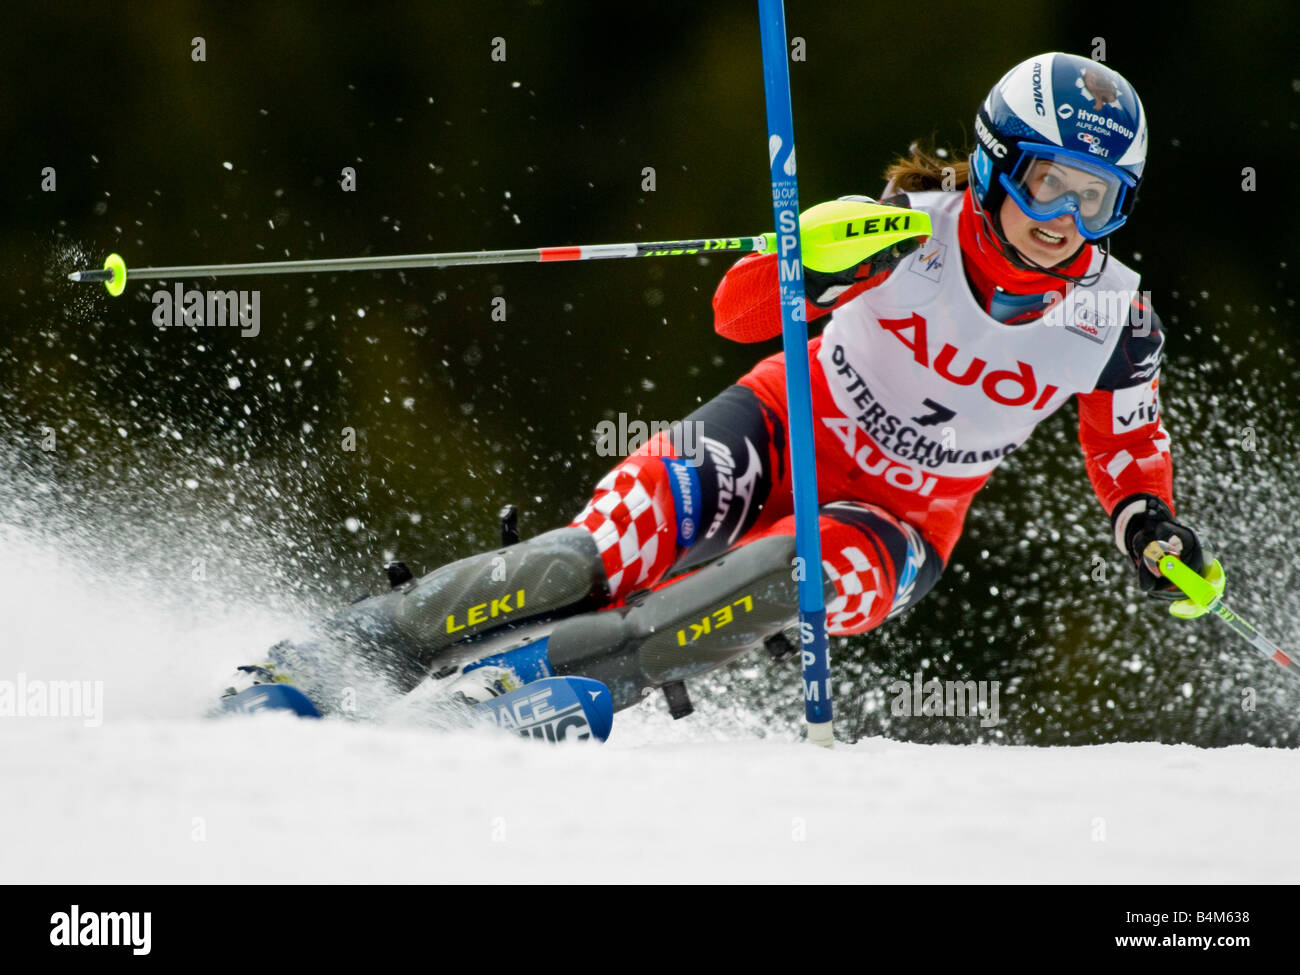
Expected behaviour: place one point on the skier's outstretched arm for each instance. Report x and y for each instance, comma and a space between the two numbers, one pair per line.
1127, 452
1125, 446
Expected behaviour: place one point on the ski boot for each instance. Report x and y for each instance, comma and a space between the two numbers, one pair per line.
475, 685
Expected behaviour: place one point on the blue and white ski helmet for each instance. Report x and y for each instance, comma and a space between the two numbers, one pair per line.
1061, 134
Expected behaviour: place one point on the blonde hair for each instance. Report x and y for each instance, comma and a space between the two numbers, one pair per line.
926, 169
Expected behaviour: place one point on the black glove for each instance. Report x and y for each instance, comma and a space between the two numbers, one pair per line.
824, 288
1139, 520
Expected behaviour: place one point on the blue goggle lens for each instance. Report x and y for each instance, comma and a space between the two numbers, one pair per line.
1049, 183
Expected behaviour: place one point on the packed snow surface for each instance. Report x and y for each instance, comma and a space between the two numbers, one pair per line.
277, 799
139, 787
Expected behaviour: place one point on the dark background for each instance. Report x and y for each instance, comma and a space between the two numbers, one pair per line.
231, 447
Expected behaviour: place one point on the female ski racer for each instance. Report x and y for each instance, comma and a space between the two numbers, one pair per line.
936, 362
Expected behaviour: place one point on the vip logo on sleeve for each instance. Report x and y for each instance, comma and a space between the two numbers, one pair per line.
1135, 407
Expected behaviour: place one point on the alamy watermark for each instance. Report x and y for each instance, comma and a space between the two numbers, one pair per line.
23, 698
948, 699
1087, 311
178, 307
125, 929
683, 439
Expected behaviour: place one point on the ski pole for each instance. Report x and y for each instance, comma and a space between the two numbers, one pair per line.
114, 272
1203, 594
844, 234
815, 650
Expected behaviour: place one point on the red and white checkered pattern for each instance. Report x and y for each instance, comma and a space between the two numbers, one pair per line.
631, 518
859, 584
864, 589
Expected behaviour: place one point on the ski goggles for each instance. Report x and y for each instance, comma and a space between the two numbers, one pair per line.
1048, 183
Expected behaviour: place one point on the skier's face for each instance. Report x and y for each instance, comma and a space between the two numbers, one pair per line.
1045, 242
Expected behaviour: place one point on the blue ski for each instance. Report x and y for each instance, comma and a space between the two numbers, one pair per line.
554, 709
270, 697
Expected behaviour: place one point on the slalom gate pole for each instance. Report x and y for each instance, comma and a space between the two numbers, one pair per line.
114, 273
798, 380
1203, 594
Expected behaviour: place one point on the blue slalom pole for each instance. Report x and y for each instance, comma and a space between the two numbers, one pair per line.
798, 380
